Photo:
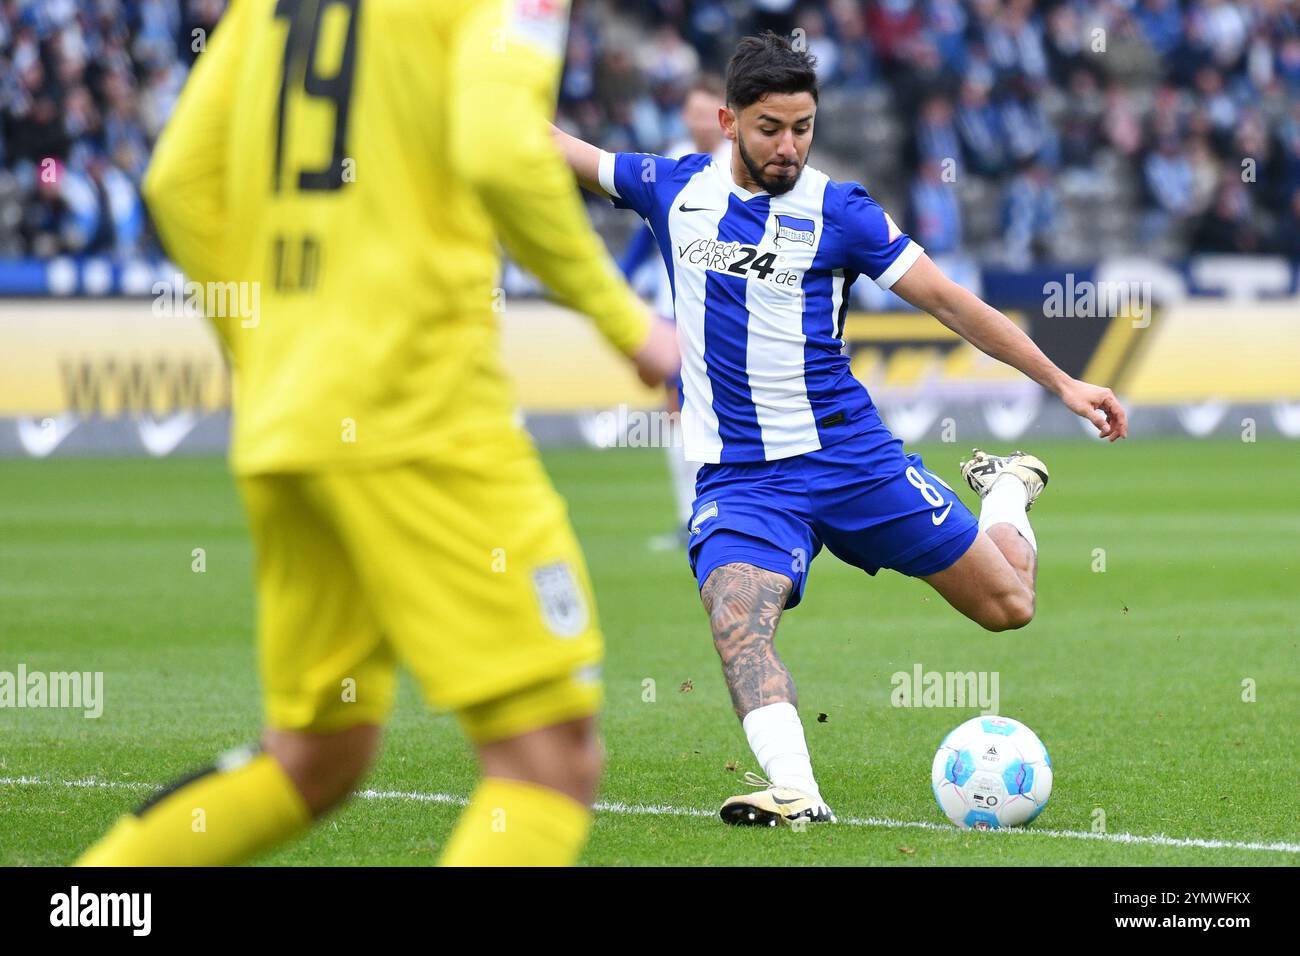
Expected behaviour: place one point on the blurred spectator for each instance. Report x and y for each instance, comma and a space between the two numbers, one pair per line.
894, 27
1215, 99
1029, 134
708, 28
1288, 234
937, 140
1067, 42
1128, 58
1230, 224
946, 23
1205, 173
1287, 63
1122, 125
936, 214
1161, 25
1255, 163
1171, 114
1220, 28
579, 81
1015, 42
981, 129
825, 51
1169, 184
926, 75
1289, 142
1030, 215
668, 60
856, 57
1081, 124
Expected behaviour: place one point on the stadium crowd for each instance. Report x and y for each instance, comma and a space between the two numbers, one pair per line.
85, 88
1014, 131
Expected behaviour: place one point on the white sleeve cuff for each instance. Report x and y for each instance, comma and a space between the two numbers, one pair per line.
606, 173
911, 252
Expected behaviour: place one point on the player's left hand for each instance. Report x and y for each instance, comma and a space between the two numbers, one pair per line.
658, 360
1098, 405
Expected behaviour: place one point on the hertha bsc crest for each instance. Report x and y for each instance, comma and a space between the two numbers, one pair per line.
563, 607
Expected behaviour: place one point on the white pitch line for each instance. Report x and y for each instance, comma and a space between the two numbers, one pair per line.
664, 810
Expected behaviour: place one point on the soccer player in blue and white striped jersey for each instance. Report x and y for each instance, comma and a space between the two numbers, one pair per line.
761, 254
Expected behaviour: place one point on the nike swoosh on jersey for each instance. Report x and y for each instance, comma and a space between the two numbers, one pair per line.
938, 519
685, 208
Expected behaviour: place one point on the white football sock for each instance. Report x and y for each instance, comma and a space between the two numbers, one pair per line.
683, 473
776, 736
1005, 504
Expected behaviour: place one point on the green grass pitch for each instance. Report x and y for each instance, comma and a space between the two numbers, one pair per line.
1133, 676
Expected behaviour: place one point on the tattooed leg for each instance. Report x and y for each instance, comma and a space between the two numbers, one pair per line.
744, 605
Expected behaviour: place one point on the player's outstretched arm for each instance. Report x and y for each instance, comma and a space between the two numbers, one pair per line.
582, 158
925, 287
503, 147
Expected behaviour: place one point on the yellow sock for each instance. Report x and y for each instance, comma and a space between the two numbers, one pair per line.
221, 817
513, 823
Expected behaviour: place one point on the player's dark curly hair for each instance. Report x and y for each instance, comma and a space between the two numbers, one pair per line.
768, 64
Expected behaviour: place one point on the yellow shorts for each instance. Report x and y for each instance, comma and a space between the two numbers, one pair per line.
465, 571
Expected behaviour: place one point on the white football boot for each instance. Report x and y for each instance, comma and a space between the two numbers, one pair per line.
773, 805
983, 469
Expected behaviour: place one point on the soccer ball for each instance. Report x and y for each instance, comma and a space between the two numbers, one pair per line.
991, 772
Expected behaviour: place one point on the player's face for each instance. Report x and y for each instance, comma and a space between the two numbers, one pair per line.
773, 137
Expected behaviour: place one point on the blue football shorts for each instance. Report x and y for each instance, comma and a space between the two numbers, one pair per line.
869, 503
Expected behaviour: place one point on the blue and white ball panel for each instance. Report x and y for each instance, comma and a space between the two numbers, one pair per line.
991, 772
873, 506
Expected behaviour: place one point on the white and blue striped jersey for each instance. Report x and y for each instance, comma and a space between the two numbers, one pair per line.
760, 286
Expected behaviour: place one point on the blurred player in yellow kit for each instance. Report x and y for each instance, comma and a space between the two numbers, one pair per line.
359, 160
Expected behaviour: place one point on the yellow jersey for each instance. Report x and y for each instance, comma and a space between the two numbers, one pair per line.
337, 176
